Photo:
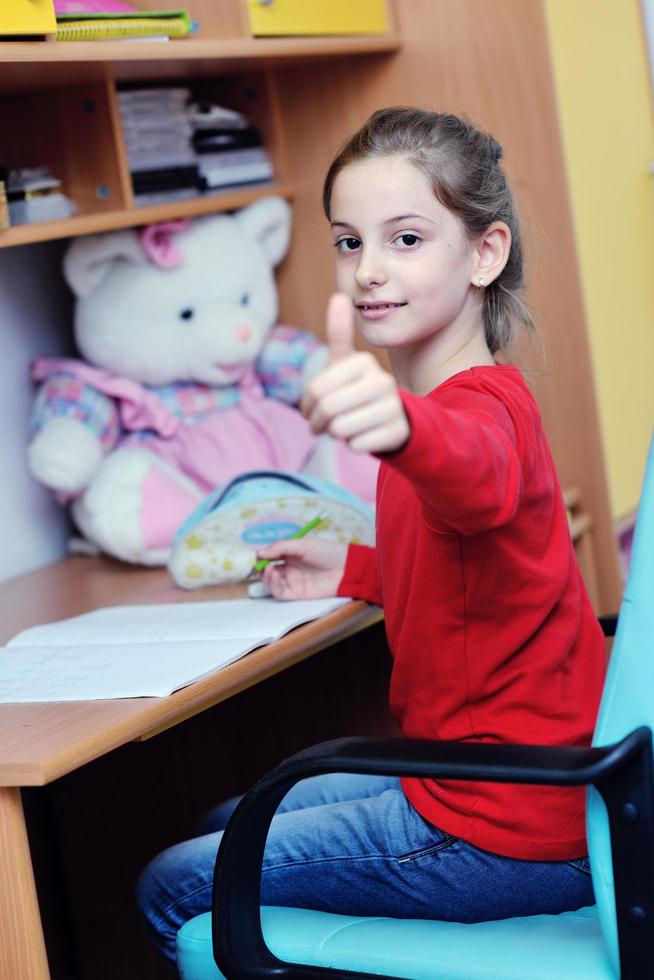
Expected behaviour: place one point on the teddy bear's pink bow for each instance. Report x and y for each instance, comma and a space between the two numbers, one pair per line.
157, 242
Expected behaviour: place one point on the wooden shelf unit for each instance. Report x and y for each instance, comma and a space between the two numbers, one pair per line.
53, 94
98, 180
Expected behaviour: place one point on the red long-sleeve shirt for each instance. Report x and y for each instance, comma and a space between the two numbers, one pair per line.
492, 633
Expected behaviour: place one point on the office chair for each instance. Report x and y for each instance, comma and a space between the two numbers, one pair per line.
614, 938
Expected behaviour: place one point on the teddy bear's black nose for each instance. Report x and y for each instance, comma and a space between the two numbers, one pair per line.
186, 314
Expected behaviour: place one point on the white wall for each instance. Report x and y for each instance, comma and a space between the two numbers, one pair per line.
35, 310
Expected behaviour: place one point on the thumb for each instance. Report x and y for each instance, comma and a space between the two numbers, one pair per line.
340, 327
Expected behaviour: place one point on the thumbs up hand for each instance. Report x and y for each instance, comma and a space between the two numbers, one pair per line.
354, 398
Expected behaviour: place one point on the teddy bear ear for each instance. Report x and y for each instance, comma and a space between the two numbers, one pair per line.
268, 222
89, 258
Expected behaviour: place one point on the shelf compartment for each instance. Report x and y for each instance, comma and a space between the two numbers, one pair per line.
230, 199
254, 94
48, 130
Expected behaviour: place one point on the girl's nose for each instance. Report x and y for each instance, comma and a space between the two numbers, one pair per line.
370, 269
243, 333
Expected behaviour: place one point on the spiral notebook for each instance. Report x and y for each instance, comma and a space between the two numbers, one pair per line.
143, 651
111, 26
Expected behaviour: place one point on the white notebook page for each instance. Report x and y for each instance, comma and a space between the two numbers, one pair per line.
143, 651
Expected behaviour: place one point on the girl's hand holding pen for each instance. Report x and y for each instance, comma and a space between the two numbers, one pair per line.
311, 569
354, 398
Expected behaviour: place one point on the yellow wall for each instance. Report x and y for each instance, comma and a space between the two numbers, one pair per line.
603, 87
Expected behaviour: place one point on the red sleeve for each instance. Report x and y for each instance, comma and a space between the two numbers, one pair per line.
462, 460
360, 578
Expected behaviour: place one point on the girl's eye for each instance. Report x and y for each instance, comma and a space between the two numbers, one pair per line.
407, 240
349, 244
186, 314
245, 299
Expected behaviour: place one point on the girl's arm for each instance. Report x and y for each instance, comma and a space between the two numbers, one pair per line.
462, 459
360, 576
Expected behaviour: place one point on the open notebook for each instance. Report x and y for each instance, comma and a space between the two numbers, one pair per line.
143, 651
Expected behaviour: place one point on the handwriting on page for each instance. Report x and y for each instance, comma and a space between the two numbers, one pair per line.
143, 651
180, 622
99, 672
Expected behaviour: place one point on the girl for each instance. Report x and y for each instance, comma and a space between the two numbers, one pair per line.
492, 634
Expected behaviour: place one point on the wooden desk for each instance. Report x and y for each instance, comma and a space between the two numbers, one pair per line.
42, 742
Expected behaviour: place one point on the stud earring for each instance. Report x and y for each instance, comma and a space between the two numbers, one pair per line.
482, 281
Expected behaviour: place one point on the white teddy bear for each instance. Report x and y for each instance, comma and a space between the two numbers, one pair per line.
186, 380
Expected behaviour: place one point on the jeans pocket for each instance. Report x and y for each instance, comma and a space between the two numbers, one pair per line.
447, 841
580, 864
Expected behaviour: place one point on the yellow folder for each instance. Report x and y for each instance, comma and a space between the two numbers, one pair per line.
27, 17
295, 17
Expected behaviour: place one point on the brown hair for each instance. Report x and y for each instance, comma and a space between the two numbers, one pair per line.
463, 165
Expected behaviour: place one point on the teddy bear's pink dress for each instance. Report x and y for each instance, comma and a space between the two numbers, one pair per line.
210, 434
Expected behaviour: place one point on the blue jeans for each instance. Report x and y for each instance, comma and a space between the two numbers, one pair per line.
353, 844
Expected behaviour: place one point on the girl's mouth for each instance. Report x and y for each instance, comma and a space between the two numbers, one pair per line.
377, 306
376, 311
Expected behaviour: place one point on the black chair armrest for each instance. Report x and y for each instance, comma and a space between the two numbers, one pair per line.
622, 773
609, 624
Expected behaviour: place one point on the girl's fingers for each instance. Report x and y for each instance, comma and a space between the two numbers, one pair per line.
374, 415
335, 376
383, 439
275, 583
365, 390
285, 548
284, 582
374, 429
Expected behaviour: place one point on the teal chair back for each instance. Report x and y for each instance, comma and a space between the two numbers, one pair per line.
627, 699
613, 939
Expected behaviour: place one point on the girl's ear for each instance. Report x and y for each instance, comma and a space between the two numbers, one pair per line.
491, 253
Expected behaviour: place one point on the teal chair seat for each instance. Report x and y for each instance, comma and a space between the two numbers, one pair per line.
614, 939
538, 947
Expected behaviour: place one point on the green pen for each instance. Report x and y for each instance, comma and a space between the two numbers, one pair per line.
261, 564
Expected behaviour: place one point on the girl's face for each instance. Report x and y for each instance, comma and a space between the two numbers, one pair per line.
401, 256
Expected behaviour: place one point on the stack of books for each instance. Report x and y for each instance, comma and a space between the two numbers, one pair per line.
34, 194
229, 148
158, 134
178, 148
